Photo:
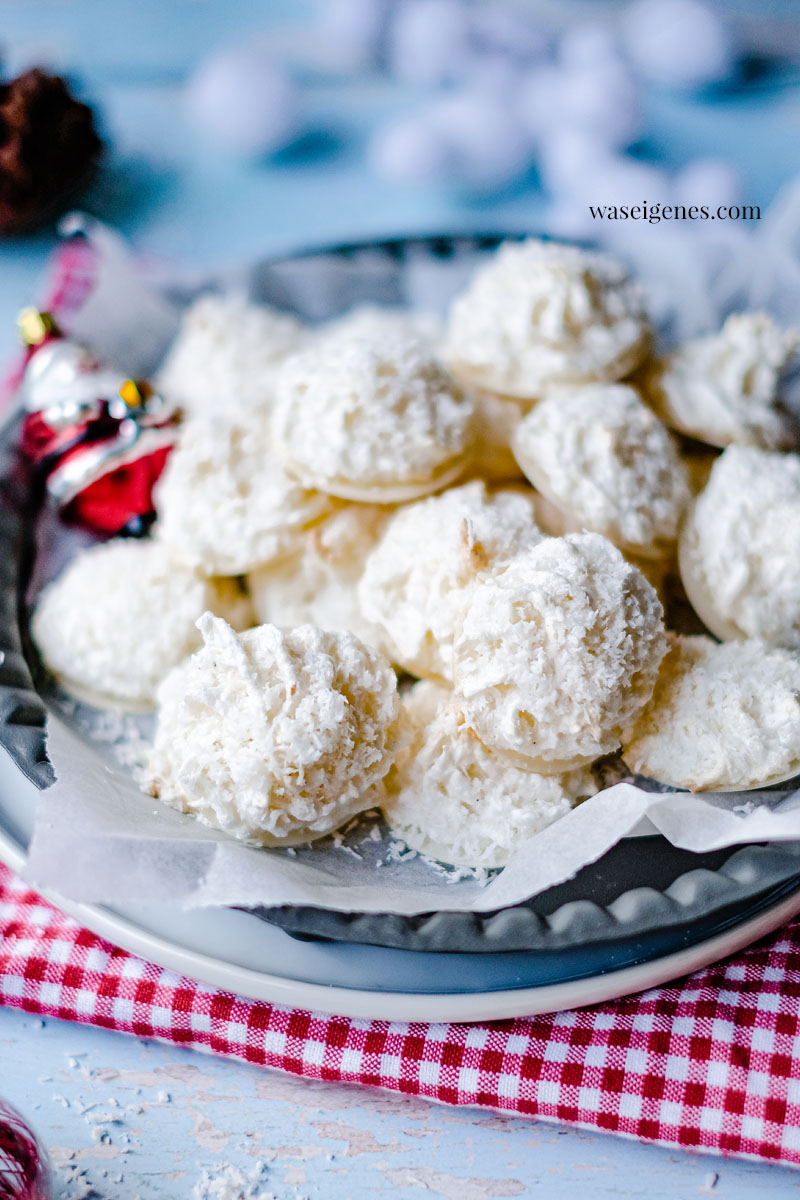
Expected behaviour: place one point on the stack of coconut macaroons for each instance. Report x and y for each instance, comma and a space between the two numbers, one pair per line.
495, 508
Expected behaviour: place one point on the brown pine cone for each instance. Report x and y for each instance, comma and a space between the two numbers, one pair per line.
49, 149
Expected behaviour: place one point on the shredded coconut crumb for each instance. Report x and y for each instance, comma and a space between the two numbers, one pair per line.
229, 1182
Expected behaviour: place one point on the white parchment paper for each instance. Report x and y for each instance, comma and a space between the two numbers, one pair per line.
98, 838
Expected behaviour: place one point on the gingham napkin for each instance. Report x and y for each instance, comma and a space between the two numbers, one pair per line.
712, 1062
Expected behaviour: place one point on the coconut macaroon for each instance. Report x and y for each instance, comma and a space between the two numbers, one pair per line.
558, 651
725, 389
452, 797
316, 584
722, 717
431, 553
121, 615
225, 356
739, 549
373, 419
274, 738
601, 456
539, 314
225, 505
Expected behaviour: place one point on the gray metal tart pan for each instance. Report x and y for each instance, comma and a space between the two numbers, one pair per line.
644, 889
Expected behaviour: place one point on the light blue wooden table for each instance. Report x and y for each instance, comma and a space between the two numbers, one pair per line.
125, 1118
137, 1119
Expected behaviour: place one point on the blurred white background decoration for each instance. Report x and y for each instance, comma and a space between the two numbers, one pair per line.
497, 91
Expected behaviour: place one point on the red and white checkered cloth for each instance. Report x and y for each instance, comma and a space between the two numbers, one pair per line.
712, 1062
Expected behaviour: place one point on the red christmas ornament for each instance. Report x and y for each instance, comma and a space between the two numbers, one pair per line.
101, 440
24, 1169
